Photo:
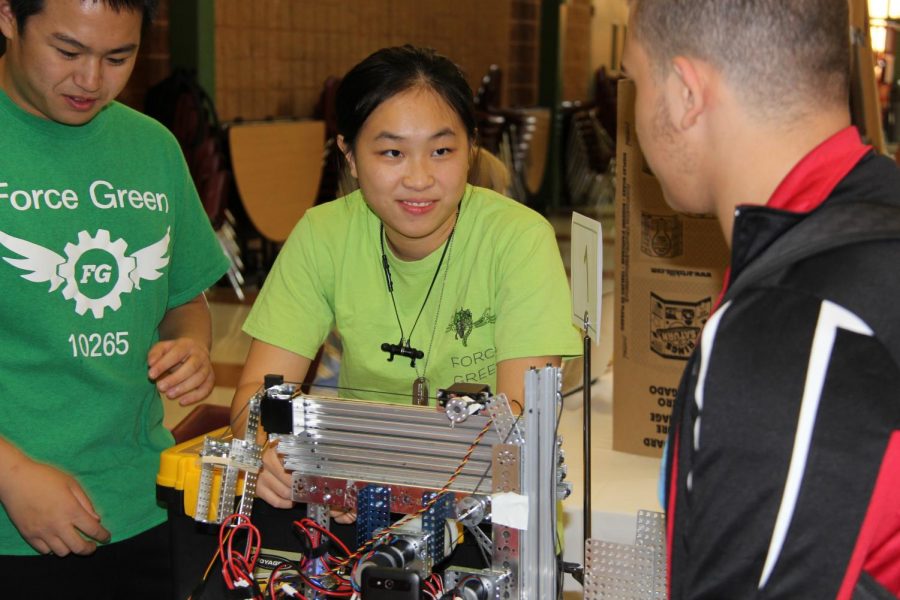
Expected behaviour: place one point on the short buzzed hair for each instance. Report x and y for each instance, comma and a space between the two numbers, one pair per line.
23, 9
778, 54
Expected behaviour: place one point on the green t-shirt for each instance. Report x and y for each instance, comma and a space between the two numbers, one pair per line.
505, 296
101, 232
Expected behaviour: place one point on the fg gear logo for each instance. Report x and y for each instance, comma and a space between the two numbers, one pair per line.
96, 270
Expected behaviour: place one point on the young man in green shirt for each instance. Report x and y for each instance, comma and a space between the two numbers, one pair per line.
106, 252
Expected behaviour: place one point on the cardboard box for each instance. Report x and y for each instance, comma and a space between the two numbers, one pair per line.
669, 271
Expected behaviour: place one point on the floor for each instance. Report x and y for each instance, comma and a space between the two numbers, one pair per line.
621, 483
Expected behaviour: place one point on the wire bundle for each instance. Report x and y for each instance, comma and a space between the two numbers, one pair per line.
434, 587
237, 566
319, 573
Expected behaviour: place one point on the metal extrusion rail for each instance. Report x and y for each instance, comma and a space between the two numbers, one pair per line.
381, 458
338, 448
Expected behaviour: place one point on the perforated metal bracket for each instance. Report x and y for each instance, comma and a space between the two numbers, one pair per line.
373, 511
507, 540
319, 514
628, 572
213, 455
231, 460
487, 546
506, 468
505, 422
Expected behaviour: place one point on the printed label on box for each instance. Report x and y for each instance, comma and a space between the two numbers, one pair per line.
675, 326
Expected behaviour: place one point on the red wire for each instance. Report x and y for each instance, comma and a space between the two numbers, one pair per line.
323, 531
363, 559
314, 532
327, 592
438, 582
314, 539
273, 577
235, 565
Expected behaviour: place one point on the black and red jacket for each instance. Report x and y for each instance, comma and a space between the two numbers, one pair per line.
783, 469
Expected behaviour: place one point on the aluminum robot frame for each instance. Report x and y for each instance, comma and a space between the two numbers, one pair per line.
472, 461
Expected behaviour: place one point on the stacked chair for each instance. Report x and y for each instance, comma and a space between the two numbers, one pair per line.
181, 104
589, 158
518, 136
589, 147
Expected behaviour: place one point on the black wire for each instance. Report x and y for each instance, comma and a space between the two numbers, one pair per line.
562, 400
339, 387
237, 416
390, 284
577, 389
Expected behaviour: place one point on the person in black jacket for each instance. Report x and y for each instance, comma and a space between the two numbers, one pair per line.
783, 461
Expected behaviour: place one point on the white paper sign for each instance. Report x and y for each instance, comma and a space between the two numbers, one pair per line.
587, 274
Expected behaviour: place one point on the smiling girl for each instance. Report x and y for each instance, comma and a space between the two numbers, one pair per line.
425, 277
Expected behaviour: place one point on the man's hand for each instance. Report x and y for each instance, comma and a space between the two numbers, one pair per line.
179, 363
50, 510
181, 369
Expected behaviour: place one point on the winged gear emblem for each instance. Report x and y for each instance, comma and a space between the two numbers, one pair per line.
107, 259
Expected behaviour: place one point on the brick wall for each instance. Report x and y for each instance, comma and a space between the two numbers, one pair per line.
608, 33
272, 56
576, 66
152, 62
522, 78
